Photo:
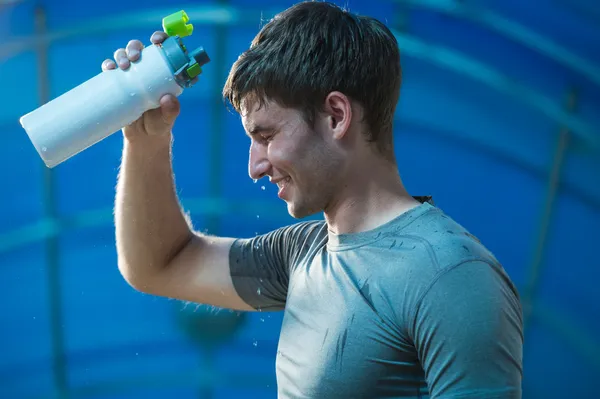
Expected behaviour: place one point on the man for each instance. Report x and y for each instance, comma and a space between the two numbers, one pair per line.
387, 297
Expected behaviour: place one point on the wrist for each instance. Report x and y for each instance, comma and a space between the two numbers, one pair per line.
148, 146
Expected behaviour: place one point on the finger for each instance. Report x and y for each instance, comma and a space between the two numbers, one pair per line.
134, 49
169, 105
108, 64
160, 120
158, 37
121, 58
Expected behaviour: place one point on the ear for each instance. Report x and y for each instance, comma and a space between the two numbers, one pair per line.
338, 109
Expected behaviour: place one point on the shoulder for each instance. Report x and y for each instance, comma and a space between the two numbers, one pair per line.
260, 266
302, 234
309, 229
434, 251
442, 243
286, 242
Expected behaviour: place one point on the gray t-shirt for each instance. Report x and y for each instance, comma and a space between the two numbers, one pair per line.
416, 308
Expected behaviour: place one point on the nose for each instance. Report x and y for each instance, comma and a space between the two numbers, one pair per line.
258, 164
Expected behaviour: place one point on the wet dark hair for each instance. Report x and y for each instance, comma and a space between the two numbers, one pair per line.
314, 48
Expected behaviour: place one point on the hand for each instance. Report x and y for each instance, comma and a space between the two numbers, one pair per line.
155, 122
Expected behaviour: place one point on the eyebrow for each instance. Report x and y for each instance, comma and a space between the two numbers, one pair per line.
258, 129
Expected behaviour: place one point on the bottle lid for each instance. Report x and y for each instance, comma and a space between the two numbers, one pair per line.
186, 66
177, 24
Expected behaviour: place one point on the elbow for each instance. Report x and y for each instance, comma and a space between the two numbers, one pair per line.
147, 274
139, 272
138, 280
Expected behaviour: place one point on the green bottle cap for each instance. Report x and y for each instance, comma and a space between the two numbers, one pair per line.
194, 70
177, 24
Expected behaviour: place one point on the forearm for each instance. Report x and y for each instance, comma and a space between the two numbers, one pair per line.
150, 225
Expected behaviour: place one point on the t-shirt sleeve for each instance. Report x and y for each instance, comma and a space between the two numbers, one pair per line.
468, 331
260, 266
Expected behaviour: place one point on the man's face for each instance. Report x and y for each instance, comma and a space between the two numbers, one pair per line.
298, 158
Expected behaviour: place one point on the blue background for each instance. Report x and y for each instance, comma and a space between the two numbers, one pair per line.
499, 120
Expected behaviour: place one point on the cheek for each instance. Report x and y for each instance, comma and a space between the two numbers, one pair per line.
282, 155
302, 157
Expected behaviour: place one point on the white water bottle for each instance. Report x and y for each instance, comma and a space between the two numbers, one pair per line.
114, 98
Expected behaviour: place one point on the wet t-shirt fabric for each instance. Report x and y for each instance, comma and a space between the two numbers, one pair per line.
416, 308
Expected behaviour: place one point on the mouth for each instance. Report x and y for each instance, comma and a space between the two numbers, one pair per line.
282, 185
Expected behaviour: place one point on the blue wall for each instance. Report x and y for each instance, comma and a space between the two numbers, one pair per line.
497, 95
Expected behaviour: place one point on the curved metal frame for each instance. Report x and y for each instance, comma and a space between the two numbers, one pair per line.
512, 30
440, 56
479, 71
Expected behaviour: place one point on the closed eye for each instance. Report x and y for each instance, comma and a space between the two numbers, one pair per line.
267, 137
261, 134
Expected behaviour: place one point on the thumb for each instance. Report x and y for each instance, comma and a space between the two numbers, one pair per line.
169, 107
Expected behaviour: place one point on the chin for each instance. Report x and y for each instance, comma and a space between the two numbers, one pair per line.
302, 211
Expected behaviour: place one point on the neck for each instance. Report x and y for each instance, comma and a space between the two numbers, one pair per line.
372, 196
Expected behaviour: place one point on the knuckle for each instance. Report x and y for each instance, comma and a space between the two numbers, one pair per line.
158, 36
119, 53
134, 44
107, 64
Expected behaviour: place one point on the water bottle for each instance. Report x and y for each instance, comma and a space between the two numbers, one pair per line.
115, 98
